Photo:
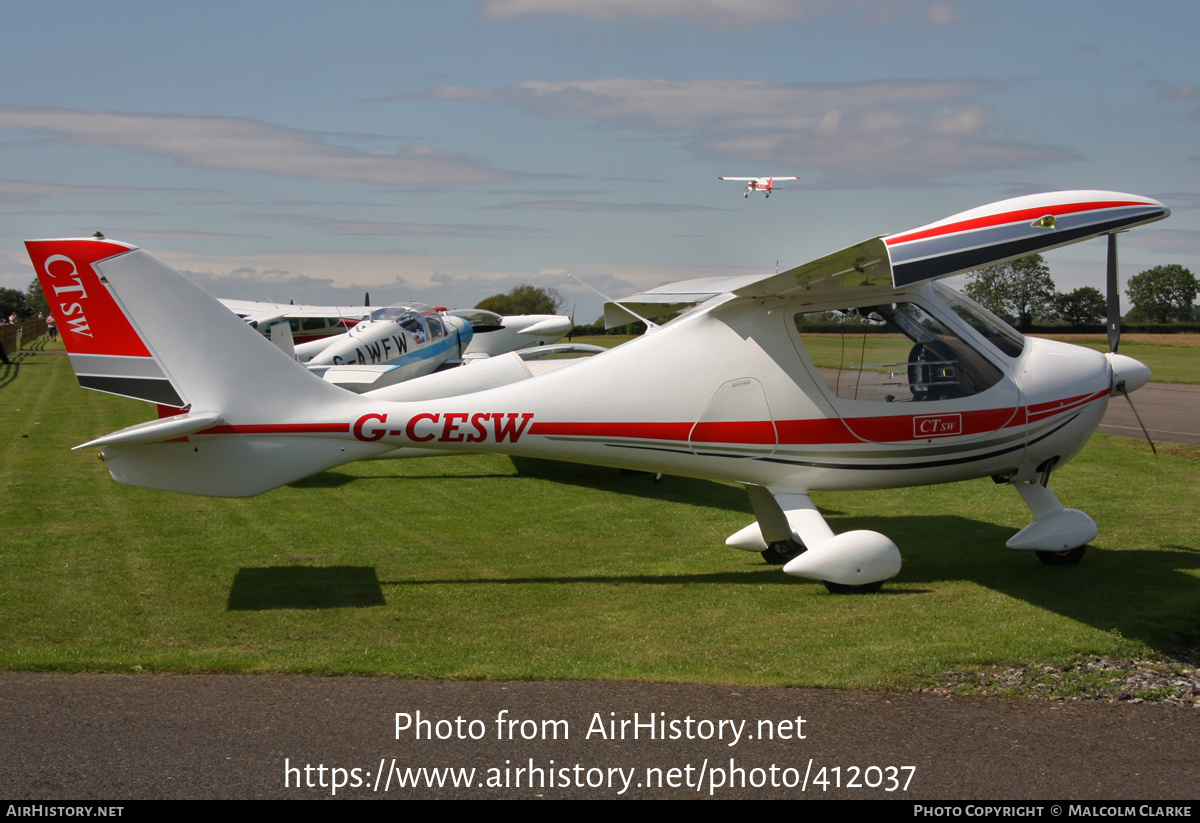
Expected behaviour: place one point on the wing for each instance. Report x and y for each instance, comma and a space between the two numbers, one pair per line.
1014, 228
666, 300
963, 242
286, 311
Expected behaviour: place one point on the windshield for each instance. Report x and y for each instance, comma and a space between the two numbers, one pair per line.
999, 334
892, 352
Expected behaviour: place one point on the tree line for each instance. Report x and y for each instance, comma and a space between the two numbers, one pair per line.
1022, 292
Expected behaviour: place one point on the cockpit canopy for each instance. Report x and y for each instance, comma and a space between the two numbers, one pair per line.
417, 319
900, 352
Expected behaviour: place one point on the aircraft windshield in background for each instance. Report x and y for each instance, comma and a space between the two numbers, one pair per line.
743, 387
763, 184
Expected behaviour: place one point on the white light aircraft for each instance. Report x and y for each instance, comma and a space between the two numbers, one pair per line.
763, 184
397, 343
392, 345
310, 324
919, 386
496, 334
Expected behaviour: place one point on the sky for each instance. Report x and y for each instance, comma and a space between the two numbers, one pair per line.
447, 151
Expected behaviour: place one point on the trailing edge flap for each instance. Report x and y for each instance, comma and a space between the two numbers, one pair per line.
157, 431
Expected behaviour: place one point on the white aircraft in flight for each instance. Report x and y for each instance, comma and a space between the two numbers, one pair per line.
763, 184
928, 387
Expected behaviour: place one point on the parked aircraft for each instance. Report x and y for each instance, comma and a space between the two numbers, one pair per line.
396, 343
763, 184
923, 385
392, 345
492, 333
307, 323
496, 334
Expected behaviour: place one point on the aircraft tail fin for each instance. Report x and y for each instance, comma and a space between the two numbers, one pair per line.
106, 351
134, 326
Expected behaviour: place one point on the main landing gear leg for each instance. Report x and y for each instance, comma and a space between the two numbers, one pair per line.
856, 562
1058, 534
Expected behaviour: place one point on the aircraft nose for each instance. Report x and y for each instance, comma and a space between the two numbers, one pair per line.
1132, 373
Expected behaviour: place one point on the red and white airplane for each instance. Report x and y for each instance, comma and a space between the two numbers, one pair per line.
763, 184
930, 389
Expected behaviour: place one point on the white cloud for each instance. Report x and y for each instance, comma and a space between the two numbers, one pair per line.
398, 229
583, 205
716, 13
20, 192
1185, 91
704, 10
943, 14
882, 132
244, 144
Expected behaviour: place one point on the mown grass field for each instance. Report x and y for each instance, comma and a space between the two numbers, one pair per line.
476, 567
1172, 358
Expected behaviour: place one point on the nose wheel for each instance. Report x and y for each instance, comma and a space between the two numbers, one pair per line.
1067, 557
781, 551
843, 588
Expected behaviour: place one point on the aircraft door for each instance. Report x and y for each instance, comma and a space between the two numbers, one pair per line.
895, 373
737, 419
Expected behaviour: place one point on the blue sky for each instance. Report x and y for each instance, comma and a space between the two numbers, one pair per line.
447, 151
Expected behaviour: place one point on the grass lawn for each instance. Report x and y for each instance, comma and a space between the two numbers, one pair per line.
1172, 358
479, 567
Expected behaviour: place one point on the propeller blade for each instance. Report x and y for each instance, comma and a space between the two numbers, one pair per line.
1121, 388
1114, 298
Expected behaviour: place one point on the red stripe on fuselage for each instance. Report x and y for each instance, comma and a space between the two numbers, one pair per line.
890, 429
281, 428
638, 431
898, 428
1043, 410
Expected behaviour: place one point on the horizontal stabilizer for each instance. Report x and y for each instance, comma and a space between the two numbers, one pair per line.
156, 431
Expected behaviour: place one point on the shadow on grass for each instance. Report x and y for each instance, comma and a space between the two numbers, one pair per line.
1147, 596
305, 587
672, 488
764, 576
10, 370
335, 480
